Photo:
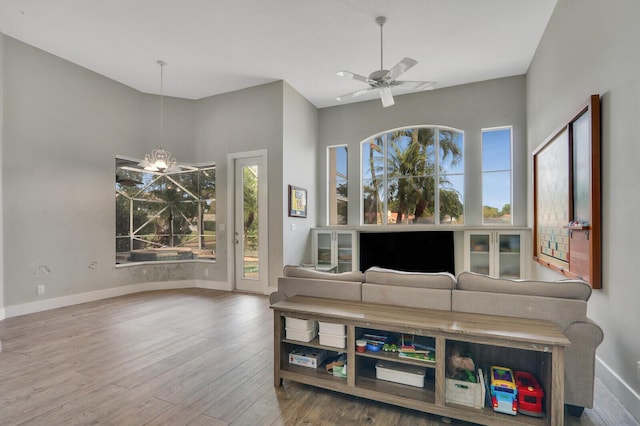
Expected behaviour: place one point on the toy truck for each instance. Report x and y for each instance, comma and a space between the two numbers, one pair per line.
503, 390
530, 394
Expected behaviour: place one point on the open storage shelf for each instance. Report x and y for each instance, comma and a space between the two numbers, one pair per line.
387, 356
536, 346
366, 378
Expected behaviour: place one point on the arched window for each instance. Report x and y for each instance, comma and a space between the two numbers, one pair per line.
413, 175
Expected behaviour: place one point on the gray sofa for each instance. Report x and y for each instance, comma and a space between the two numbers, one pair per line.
562, 302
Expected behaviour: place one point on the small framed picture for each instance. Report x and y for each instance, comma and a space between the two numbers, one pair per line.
297, 201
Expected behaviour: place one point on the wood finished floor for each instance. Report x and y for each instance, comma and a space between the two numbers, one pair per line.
179, 357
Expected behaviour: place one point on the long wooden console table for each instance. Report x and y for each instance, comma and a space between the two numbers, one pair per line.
532, 345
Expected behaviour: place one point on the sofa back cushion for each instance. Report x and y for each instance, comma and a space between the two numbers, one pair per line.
414, 297
391, 277
559, 311
299, 272
568, 289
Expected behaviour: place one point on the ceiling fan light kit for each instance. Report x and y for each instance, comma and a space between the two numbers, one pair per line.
383, 80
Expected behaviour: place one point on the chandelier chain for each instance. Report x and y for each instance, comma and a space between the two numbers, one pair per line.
162, 64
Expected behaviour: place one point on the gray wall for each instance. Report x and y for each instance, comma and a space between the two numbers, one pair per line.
63, 127
468, 108
591, 47
1, 174
236, 122
299, 149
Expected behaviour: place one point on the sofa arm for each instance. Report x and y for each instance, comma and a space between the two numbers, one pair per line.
329, 289
585, 336
277, 296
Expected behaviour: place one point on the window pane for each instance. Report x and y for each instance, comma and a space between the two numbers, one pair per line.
410, 153
451, 200
371, 202
250, 188
372, 159
338, 185
411, 200
207, 184
123, 204
451, 152
496, 194
496, 176
496, 150
372, 174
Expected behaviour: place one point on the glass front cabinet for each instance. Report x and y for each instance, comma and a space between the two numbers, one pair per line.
500, 254
334, 250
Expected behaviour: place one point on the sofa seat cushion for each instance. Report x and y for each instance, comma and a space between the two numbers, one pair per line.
300, 272
391, 277
566, 289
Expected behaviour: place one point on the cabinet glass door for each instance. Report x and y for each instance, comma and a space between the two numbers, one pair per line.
345, 252
509, 255
479, 253
324, 248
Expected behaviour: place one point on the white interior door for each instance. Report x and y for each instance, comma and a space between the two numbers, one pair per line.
250, 224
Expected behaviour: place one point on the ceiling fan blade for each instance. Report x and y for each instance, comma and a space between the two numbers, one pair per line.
400, 68
358, 77
354, 94
415, 85
385, 96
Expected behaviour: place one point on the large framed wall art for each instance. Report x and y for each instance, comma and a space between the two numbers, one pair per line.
567, 231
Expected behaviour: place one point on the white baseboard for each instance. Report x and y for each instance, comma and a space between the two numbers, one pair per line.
213, 285
628, 397
91, 296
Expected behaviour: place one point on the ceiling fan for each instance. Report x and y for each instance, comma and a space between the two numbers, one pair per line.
383, 80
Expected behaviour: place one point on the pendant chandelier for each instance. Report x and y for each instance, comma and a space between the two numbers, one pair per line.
160, 160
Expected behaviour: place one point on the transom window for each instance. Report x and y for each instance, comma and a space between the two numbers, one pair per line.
413, 175
165, 216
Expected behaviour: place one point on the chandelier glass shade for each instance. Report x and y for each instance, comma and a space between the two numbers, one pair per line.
160, 160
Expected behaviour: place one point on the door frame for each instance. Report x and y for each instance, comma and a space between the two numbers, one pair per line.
263, 218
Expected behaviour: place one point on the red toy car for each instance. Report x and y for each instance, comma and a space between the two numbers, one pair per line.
530, 394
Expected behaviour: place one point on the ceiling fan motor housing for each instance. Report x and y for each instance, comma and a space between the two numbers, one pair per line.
380, 76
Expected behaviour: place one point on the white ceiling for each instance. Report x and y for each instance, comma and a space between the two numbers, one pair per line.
218, 46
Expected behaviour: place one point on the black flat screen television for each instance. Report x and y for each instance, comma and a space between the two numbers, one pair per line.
421, 251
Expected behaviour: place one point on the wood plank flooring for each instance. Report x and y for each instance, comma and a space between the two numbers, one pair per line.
178, 357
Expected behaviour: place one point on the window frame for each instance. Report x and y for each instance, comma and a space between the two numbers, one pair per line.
131, 165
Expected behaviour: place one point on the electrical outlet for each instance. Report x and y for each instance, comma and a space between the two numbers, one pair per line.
40, 289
